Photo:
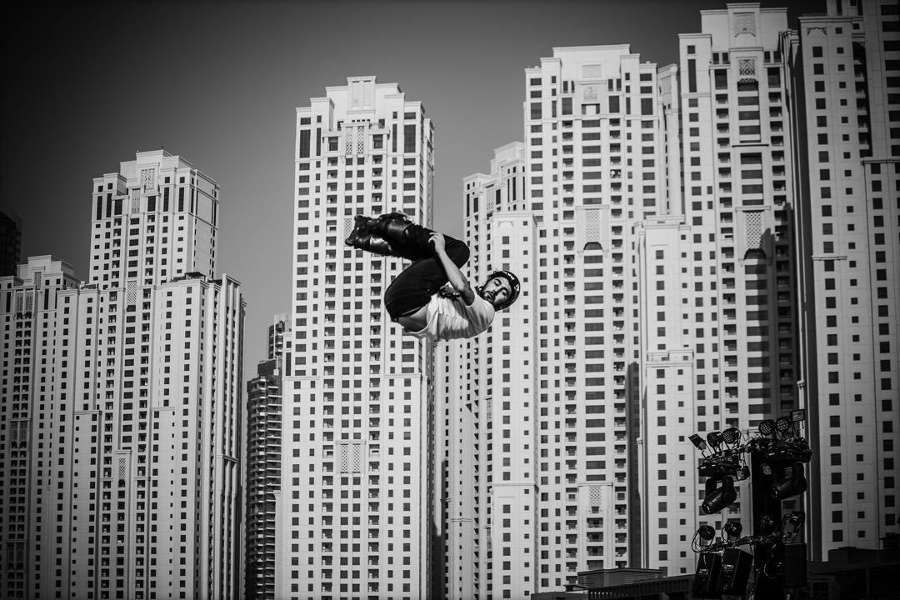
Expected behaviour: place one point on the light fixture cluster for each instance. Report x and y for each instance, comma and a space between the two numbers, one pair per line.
777, 455
722, 463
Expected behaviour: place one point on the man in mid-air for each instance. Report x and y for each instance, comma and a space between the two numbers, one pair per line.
419, 298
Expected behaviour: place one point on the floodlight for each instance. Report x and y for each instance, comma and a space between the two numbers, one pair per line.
706, 532
733, 529
767, 427
718, 497
714, 439
731, 435
698, 441
789, 481
798, 415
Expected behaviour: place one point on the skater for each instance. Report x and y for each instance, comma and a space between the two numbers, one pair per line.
419, 299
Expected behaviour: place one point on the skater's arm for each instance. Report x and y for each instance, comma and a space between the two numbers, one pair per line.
454, 275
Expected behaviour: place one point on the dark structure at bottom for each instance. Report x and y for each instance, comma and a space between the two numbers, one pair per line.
849, 574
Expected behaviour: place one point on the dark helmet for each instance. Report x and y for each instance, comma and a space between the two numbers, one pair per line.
513, 284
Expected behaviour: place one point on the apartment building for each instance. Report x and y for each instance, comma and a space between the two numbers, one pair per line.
263, 460
357, 472
845, 109
142, 471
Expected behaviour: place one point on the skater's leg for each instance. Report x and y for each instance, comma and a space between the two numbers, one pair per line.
413, 288
456, 250
393, 234
406, 294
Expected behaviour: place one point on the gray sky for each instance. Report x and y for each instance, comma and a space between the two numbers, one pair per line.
85, 86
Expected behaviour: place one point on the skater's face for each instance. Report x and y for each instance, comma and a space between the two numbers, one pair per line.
496, 291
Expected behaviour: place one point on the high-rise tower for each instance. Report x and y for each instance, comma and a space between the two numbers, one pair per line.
719, 303
154, 220
656, 232
263, 465
467, 463
357, 475
30, 330
846, 111
142, 467
710, 244
554, 385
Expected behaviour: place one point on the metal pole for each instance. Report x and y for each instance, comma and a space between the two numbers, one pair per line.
766, 514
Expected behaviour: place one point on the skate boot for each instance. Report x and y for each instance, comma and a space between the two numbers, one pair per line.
363, 238
360, 230
407, 239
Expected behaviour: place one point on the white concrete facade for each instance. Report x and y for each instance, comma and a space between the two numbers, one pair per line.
669, 480
721, 348
154, 220
28, 344
468, 395
357, 477
846, 109
263, 458
554, 385
158, 405
143, 472
671, 187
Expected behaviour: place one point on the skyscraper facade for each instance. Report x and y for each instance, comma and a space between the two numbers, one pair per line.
263, 460
464, 388
357, 471
142, 468
29, 338
656, 229
153, 220
846, 111
719, 288
731, 294
555, 382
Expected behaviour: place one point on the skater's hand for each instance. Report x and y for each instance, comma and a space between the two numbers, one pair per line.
454, 275
437, 239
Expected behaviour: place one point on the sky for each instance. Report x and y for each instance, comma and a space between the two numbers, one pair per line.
86, 85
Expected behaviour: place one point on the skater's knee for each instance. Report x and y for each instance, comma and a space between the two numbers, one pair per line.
390, 305
390, 296
458, 252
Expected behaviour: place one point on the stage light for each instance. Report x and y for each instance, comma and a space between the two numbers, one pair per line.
718, 497
731, 435
733, 529
789, 481
767, 427
706, 532
698, 441
714, 440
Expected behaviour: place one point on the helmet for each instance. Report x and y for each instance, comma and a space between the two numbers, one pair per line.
513, 284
